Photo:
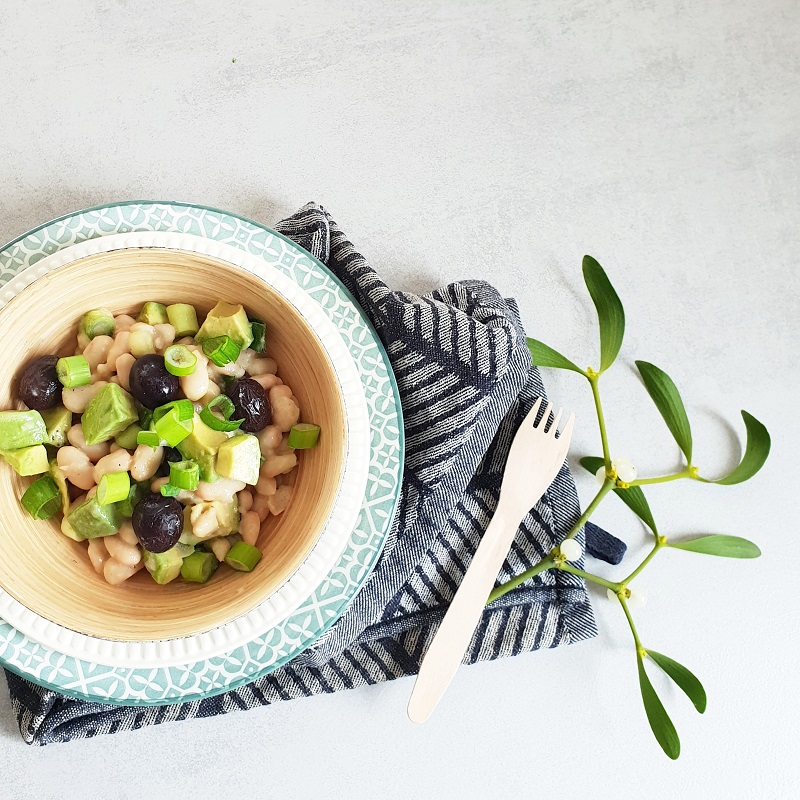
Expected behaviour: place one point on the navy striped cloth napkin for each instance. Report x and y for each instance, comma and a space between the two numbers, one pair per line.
466, 382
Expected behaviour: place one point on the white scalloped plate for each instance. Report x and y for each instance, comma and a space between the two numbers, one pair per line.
159, 672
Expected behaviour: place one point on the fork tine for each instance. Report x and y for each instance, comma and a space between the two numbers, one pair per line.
566, 434
554, 427
530, 417
545, 417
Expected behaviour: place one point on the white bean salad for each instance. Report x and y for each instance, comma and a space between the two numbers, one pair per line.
162, 443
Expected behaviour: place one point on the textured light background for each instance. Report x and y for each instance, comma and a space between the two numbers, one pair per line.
499, 140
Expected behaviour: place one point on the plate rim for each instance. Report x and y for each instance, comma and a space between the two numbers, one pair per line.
358, 584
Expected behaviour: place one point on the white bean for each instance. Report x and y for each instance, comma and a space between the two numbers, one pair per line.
195, 386
220, 547
120, 347
83, 343
76, 467
231, 369
267, 381
250, 527
164, 336
76, 400
285, 411
127, 533
116, 573
123, 366
245, 501
123, 322
266, 485
98, 555
278, 502
146, 461
262, 366
126, 554
270, 439
118, 461
278, 465
213, 391
204, 521
222, 489
94, 451
97, 350
260, 506
184, 495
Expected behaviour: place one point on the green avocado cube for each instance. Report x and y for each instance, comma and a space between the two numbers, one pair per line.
58, 421
226, 319
239, 458
163, 567
21, 429
61, 481
27, 460
90, 520
108, 414
201, 445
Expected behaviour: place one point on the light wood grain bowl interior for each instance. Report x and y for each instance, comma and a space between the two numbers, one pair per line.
51, 574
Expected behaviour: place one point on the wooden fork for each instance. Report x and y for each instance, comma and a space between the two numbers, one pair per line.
535, 458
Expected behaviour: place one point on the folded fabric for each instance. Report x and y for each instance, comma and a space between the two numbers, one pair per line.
465, 381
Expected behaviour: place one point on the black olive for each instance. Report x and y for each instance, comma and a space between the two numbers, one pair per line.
170, 455
158, 522
39, 387
251, 404
151, 384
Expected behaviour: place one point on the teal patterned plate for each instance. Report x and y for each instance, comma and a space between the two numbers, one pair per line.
203, 677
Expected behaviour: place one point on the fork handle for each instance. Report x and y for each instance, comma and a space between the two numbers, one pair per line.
458, 626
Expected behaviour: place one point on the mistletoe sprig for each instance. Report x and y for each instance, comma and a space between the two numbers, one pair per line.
620, 477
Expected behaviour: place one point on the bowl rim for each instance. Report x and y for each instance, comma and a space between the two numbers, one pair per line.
218, 638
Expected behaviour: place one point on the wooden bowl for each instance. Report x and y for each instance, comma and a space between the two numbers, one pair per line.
51, 574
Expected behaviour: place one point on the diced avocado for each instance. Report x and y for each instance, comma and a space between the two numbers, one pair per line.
109, 413
57, 421
187, 537
90, 520
21, 429
153, 314
239, 458
61, 481
164, 567
69, 531
99, 322
27, 460
201, 445
227, 320
127, 438
136, 493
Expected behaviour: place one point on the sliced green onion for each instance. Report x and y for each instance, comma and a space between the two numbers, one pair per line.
183, 318
183, 408
127, 439
303, 436
184, 474
168, 490
226, 408
153, 314
180, 360
42, 499
148, 437
221, 350
199, 566
259, 331
73, 371
243, 557
113, 487
145, 419
99, 322
171, 428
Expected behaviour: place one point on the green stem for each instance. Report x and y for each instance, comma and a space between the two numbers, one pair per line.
636, 639
505, 588
607, 486
686, 473
656, 547
601, 421
565, 567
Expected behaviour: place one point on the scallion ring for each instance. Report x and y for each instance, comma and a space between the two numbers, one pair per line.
73, 371
113, 487
221, 350
183, 408
184, 474
226, 408
171, 428
42, 499
180, 360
